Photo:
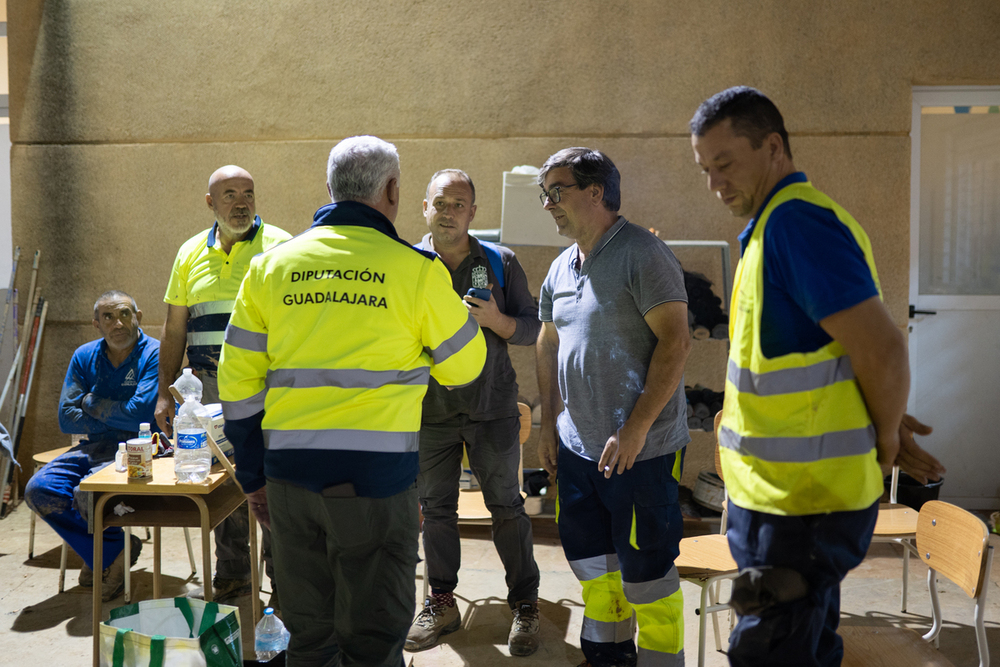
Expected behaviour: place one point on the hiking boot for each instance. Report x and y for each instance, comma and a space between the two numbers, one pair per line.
437, 618
523, 637
86, 577
113, 583
225, 591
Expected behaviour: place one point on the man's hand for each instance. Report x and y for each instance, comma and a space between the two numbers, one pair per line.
548, 452
488, 315
911, 458
258, 505
165, 414
622, 448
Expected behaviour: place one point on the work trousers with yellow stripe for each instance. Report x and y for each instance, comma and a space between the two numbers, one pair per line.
621, 538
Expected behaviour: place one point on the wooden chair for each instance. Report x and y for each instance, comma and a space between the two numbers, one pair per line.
897, 523
472, 508
954, 543
706, 562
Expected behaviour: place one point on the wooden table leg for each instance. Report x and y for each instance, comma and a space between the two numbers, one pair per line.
156, 562
206, 546
254, 570
97, 610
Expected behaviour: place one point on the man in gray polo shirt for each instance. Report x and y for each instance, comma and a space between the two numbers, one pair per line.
613, 344
482, 417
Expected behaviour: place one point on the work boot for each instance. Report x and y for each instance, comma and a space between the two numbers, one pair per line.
225, 591
523, 637
438, 617
113, 583
86, 577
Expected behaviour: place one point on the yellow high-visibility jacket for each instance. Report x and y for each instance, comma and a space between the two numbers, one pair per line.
796, 437
333, 338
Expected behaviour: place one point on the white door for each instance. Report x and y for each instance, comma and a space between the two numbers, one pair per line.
955, 280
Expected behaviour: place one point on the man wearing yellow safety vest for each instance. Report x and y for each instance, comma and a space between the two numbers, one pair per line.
206, 275
612, 347
326, 361
816, 386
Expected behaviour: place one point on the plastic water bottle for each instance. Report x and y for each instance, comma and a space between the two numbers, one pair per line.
121, 458
188, 385
192, 458
144, 431
270, 636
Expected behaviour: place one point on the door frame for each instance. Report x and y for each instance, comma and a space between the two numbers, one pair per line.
940, 96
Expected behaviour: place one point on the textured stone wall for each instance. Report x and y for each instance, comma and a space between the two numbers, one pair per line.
121, 109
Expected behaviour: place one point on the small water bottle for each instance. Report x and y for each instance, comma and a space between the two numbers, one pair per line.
144, 431
121, 458
192, 458
270, 636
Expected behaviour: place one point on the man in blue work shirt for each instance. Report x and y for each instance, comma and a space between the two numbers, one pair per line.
110, 388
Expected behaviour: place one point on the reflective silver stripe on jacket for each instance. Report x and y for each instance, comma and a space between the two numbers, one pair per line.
195, 338
344, 378
247, 407
210, 308
245, 339
604, 632
806, 449
790, 380
591, 568
648, 656
648, 592
393, 442
456, 342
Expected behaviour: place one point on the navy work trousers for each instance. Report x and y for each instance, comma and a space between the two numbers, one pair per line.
820, 547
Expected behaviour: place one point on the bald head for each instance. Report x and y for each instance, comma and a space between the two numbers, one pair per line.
231, 198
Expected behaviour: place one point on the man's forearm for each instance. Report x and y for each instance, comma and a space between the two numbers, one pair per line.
547, 362
884, 377
666, 368
171, 356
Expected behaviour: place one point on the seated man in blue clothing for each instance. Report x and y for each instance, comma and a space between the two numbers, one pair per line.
110, 388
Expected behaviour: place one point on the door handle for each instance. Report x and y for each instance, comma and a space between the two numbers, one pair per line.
914, 312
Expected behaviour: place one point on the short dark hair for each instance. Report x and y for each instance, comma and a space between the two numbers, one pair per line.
113, 294
588, 166
750, 112
458, 173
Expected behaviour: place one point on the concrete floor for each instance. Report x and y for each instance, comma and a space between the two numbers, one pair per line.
41, 626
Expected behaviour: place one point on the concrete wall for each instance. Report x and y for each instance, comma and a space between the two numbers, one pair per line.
121, 109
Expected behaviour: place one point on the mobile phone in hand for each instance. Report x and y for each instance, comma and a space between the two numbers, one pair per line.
479, 293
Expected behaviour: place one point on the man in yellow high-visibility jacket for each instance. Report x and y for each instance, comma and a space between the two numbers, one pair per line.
325, 365
815, 392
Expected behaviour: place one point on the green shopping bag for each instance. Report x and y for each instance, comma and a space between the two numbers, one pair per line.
178, 632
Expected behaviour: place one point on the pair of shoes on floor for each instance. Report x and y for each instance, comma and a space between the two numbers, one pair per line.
440, 616
113, 577
225, 591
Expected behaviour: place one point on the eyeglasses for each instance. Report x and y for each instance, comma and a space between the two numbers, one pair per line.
554, 194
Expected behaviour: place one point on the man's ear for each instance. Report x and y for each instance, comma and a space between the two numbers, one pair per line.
208, 200
392, 191
138, 317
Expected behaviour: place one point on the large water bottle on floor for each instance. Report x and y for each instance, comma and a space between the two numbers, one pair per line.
192, 457
270, 636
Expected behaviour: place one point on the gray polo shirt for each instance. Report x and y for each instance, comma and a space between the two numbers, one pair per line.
605, 344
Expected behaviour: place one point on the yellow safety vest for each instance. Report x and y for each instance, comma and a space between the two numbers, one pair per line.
335, 335
796, 436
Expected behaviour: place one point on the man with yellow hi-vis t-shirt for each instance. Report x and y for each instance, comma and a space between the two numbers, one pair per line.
326, 361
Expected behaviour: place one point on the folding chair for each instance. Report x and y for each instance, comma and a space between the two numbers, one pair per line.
954, 543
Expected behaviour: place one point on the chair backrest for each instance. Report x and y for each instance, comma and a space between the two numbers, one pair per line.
525, 422
954, 543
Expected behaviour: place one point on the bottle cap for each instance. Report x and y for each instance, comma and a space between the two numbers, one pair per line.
121, 446
144, 426
268, 611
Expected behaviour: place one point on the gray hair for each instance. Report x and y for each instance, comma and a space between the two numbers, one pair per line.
113, 294
359, 168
